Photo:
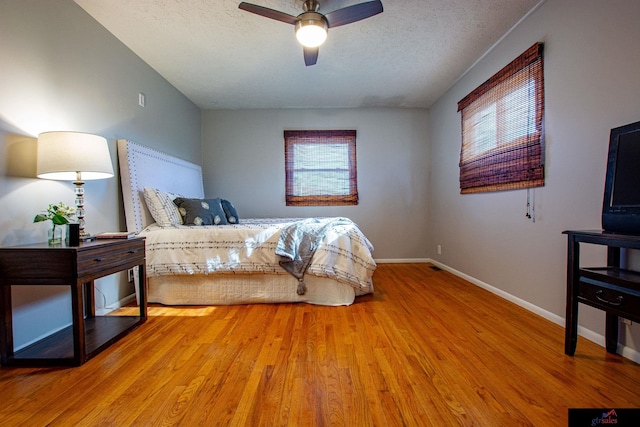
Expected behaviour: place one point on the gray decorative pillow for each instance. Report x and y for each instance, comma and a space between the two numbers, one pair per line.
230, 211
201, 211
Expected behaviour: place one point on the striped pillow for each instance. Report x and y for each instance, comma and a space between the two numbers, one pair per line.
161, 207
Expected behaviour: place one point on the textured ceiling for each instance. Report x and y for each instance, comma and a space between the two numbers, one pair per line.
221, 57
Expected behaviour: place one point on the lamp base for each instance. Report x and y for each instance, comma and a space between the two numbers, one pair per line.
85, 237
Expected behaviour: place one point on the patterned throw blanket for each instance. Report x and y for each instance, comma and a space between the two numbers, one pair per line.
343, 254
298, 243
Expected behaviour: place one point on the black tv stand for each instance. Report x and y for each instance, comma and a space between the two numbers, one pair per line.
609, 288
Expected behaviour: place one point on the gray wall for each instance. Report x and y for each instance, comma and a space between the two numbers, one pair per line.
592, 82
243, 161
61, 70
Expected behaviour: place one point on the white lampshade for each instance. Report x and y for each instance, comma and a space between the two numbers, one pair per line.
311, 32
62, 155
77, 157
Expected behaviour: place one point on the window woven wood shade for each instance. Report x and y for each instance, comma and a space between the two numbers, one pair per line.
320, 167
502, 128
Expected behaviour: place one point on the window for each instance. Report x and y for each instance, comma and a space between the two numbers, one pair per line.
320, 167
502, 132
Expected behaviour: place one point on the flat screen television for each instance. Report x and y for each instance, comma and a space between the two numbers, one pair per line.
621, 205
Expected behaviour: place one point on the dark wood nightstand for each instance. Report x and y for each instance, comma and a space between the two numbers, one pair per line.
76, 267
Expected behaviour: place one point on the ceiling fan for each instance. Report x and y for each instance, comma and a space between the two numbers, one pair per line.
312, 26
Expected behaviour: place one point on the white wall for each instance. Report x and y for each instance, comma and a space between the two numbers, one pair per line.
592, 84
243, 161
61, 70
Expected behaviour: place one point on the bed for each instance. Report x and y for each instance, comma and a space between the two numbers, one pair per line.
325, 261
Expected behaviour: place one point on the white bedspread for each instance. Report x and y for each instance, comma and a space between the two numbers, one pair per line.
249, 247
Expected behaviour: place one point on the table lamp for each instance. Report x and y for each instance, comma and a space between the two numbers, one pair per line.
77, 157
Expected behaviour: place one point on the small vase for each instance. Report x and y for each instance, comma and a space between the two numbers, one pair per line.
55, 235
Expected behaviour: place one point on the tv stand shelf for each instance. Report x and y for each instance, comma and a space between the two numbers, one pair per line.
628, 279
612, 289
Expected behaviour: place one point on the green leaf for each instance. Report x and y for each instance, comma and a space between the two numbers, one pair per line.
40, 217
59, 219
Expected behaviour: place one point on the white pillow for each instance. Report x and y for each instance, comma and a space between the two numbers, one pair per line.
161, 207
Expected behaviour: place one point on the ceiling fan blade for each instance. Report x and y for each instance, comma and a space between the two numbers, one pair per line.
310, 55
268, 13
353, 13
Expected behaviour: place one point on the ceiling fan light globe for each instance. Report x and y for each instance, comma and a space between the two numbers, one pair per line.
311, 32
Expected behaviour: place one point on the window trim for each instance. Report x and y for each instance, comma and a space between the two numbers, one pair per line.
294, 137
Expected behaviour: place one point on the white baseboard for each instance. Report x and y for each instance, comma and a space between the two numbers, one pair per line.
402, 261
36, 339
116, 305
599, 339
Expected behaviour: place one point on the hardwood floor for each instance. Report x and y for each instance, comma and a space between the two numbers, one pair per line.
426, 349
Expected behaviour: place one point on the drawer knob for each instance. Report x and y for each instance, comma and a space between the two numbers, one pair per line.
133, 251
616, 302
99, 259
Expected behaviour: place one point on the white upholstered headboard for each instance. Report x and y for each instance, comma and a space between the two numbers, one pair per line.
142, 167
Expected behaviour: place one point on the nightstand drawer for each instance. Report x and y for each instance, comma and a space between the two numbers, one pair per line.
36, 264
610, 298
110, 256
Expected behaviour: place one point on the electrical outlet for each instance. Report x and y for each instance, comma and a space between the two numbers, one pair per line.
142, 100
439, 250
130, 275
